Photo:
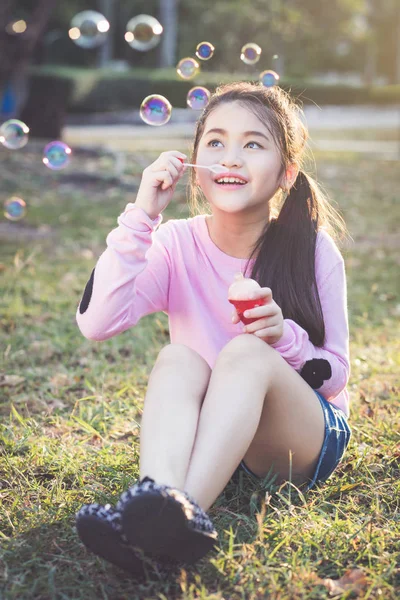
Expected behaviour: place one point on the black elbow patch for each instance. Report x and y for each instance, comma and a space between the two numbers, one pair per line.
316, 371
87, 294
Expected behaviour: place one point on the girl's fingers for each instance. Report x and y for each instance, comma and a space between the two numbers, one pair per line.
177, 163
235, 316
169, 166
168, 181
163, 177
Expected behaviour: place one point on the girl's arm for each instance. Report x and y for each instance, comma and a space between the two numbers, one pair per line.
326, 369
131, 277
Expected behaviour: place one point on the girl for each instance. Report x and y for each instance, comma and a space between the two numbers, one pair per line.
222, 396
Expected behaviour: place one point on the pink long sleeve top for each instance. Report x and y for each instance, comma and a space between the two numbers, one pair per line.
176, 268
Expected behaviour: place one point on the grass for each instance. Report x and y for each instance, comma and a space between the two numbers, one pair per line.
70, 408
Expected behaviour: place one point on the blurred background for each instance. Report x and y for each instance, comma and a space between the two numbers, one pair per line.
342, 52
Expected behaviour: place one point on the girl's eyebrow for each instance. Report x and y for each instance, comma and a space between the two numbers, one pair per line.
246, 133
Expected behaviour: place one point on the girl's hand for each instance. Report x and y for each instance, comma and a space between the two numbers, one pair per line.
268, 325
159, 181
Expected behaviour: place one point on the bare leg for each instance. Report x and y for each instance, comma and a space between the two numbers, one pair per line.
228, 423
257, 407
175, 392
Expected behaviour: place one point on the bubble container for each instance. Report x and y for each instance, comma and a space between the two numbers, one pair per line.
238, 295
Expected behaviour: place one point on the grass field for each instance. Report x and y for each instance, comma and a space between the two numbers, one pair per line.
70, 408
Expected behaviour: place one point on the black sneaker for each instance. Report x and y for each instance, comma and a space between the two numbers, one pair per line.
166, 522
99, 528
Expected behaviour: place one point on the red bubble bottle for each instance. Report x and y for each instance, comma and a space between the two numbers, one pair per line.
238, 295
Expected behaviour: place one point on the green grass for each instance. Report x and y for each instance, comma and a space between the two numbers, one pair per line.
70, 408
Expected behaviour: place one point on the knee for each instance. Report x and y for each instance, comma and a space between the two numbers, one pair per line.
246, 350
185, 358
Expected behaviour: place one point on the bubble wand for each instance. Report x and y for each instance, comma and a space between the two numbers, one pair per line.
213, 168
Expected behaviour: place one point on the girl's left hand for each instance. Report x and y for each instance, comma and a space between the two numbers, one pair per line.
269, 319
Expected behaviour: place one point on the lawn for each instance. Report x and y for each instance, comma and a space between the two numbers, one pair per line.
70, 408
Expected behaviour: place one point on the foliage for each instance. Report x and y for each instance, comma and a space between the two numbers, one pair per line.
307, 34
105, 90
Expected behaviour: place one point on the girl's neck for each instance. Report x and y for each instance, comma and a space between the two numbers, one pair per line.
233, 239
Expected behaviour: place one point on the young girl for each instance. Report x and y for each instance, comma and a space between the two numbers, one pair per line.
221, 396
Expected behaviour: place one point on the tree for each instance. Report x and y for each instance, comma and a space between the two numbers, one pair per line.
169, 18
16, 49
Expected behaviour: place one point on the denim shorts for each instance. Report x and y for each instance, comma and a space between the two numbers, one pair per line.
336, 440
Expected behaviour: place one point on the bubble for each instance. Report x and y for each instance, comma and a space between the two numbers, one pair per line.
198, 98
250, 54
14, 134
275, 57
188, 68
56, 155
269, 78
89, 29
143, 32
204, 50
14, 208
155, 110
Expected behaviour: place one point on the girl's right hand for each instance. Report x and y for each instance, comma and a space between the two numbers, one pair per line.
159, 181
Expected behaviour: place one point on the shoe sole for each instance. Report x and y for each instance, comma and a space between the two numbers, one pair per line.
158, 525
100, 537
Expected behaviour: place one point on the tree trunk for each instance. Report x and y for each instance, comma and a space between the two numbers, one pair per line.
397, 72
16, 50
106, 50
169, 21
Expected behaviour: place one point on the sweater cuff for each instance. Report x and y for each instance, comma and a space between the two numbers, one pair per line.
136, 218
287, 338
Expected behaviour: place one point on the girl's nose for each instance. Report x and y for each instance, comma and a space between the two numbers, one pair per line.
231, 160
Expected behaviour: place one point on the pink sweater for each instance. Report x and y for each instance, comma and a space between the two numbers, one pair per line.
176, 268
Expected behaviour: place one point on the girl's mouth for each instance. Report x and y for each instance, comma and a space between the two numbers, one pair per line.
230, 183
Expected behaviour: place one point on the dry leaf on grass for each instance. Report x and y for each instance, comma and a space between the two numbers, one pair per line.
10, 380
59, 380
354, 580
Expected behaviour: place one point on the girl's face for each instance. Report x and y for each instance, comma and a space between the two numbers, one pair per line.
235, 138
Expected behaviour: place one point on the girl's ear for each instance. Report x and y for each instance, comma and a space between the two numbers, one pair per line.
289, 177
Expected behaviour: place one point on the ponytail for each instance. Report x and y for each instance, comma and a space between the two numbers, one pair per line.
286, 258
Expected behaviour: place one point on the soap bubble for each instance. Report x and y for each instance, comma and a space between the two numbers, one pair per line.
188, 68
198, 98
56, 155
204, 50
89, 29
250, 54
14, 134
155, 110
143, 32
269, 78
14, 208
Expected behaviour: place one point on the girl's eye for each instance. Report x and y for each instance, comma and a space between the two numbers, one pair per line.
212, 142
256, 143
